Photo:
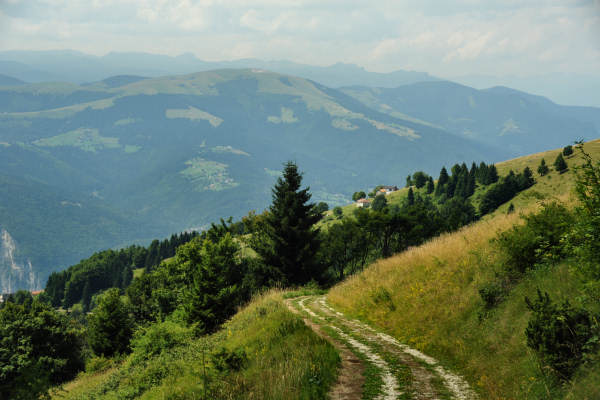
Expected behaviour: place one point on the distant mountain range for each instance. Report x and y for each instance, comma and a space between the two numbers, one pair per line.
129, 158
76, 67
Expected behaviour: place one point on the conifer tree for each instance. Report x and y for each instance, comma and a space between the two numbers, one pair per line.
559, 164
410, 199
288, 242
430, 185
567, 151
110, 327
543, 168
492, 174
442, 181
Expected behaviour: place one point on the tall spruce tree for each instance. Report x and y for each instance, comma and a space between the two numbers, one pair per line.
287, 241
559, 164
430, 185
543, 168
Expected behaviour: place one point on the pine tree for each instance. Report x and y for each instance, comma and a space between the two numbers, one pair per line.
110, 327
543, 168
409, 181
410, 199
559, 164
288, 242
442, 181
430, 185
567, 151
492, 174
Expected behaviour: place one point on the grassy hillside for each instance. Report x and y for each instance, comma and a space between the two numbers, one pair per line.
264, 352
428, 297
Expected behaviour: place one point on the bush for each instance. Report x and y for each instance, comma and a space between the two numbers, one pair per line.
492, 293
560, 335
539, 239
567, 150
157, 338
226, 360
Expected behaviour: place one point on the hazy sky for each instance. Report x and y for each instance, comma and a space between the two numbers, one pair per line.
444, 37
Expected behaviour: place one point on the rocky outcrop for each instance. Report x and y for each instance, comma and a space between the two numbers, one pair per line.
15, 272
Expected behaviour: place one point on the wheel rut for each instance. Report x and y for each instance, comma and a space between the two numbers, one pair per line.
404, 373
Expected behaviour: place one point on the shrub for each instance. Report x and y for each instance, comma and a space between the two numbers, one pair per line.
226, 360
560, 335
492, 293
539, 239
567, 150
157, 338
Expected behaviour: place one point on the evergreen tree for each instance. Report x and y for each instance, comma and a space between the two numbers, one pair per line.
215, 290
409, 181
288, 242
559, 164
430, 185
443, 179
86, 297
567, 151
492, 176
380, 202
543, 168
110, 327
410, 199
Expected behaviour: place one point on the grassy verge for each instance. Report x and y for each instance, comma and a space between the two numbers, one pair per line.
264, 352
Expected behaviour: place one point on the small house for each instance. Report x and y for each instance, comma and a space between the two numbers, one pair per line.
387, 189
363, 203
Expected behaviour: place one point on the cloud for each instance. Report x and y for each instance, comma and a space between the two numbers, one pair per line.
444, 38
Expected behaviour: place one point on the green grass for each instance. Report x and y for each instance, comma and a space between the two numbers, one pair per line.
285, 360
208, 175
86, 139
438, 309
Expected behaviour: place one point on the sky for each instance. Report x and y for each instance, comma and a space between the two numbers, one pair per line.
446, 38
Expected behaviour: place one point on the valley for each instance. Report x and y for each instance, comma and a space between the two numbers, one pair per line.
143, 158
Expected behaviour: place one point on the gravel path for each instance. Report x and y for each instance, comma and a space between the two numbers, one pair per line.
427, 379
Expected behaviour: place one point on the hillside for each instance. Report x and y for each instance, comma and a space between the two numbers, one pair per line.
162, 155
497, 116
408, 296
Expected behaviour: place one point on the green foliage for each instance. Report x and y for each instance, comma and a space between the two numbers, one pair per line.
419, 179
539, 239
492, 293
39, 347
338, 212
567, 150
561, 335
560, 165
380, 202
359, 195
505, 190
287, 240
543, 168
215, 281
110, 326
430, 185
321, 207
226, 361
457, 212
156, 338
106, 269
98, 364
585, 237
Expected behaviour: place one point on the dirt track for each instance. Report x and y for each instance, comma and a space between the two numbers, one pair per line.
402, 372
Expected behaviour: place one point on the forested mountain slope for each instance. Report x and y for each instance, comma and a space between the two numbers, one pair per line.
143, 158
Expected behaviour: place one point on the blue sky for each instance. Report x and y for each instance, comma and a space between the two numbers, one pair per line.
446, 38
